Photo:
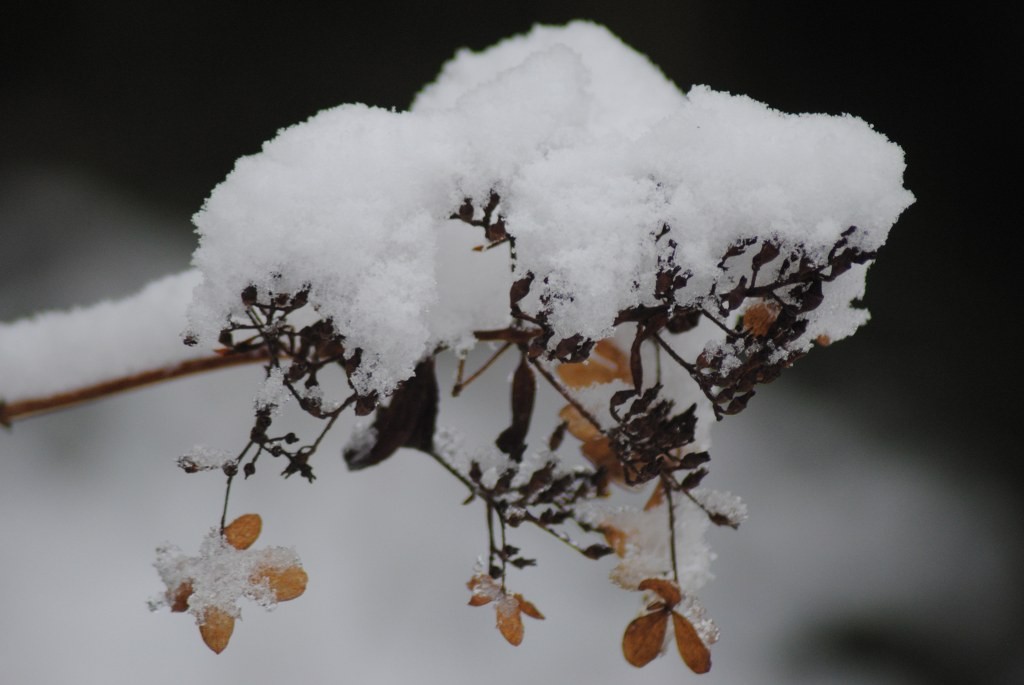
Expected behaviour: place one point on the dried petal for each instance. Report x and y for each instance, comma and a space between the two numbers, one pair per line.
510, 621
616, 539
528, 608
216, 629
759, 317
179, 601
644, 638
243, 531
600, 453
287, 583
580, 428
657, 497
693, 650
665, 589
606, 364
477, 600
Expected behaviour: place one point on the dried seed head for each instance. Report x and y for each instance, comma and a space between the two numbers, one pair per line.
243, 531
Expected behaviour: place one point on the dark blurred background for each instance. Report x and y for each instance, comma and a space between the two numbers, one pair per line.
158, 100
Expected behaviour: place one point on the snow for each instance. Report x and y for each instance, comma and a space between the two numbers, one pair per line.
220, 575
591, 150
204, 458
58, 351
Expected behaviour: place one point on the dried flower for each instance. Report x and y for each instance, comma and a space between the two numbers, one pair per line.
209, 585
508, 608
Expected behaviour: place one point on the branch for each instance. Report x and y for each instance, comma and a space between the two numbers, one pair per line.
43, 405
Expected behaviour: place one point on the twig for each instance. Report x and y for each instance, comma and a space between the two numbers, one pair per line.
42, 405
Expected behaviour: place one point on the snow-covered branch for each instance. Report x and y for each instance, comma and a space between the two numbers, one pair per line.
650, 256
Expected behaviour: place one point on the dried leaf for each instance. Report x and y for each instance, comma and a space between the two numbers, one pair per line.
510, 621
216, 629
243, 531
512, 440
528, 608
408, 421
693, 650
665, 589
644, 638
636, 363
287, 583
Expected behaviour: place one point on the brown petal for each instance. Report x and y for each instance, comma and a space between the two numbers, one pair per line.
596, 447
665, 589
479, 600
579, 427
693, 650
216, 629
287, 583
657, 497
243, 531
616, 539
759, 317
510, 622
644, 638
606, 364
527, 608
179, 601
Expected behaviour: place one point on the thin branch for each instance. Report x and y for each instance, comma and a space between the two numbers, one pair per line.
461, 384
667, 487
42, 405
566, 394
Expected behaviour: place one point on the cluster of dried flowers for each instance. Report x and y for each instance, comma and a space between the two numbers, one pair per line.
643, 437
649, 257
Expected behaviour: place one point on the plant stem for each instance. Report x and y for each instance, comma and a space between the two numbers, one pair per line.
42, 405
